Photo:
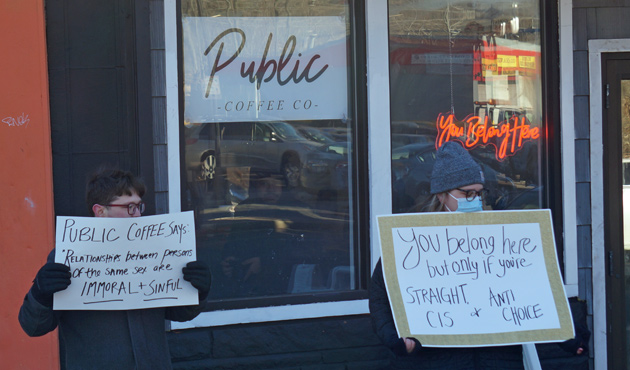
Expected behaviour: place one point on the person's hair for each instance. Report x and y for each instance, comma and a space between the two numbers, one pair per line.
431, 204
106, 184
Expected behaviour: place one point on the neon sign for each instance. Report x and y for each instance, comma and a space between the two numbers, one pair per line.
507, 137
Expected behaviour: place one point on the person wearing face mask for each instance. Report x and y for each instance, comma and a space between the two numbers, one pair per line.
457, 182
457, 185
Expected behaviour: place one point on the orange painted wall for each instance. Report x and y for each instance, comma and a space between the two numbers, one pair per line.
26, 198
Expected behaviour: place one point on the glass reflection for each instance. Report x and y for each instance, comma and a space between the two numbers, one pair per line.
467, 71
270, 223
271, 193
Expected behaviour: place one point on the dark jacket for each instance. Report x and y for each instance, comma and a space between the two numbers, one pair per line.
500, 358
132, 339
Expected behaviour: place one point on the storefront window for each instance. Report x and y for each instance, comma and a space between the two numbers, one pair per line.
467, 71
268, 145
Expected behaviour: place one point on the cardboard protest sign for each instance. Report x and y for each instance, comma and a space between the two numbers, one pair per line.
474, 279
126, 263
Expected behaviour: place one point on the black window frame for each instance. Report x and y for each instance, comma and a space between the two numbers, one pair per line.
551, 161
552, 170
360, 186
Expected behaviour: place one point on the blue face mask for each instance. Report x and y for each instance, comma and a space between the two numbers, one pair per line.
465, 205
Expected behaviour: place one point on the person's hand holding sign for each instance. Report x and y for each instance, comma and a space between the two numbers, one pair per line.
113, 279
198, 274
412, 345
460, 277
51, 278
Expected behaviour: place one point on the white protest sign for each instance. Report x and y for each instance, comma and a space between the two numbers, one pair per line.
249, 69
126, 263
474, 279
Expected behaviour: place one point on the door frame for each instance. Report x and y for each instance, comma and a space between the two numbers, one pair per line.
615, 68
600, 333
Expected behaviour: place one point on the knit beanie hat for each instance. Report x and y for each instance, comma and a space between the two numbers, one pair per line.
453, 168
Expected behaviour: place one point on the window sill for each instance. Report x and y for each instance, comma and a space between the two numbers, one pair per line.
277, 313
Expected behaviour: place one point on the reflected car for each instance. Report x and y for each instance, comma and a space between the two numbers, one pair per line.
315, 134
336, 133
521, 198
326, 168
399, 140
414, 128
411, 176
411, 170
275, 147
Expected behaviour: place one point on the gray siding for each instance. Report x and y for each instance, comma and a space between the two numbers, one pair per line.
592, 19
158, 96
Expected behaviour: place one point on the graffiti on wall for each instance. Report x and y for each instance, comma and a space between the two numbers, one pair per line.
19, 121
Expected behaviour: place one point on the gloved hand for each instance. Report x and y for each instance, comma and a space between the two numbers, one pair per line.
406, 347
579, 344
51, 278
198, 274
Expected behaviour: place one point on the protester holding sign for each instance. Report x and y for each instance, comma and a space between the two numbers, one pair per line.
457, 185
126, 339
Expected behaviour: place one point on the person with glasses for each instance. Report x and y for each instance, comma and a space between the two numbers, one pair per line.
123, 339
133, 209
457, 182
457, 185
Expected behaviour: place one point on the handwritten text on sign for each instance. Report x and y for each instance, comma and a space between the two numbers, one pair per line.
463, 279
125, 263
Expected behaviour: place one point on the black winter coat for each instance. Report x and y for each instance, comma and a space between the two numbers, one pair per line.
117, 339
486, 358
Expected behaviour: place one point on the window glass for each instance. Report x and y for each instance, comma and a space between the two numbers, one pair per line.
268, 145
467, 71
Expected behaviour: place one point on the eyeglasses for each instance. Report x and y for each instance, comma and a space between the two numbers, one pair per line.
471, 194
131, 207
